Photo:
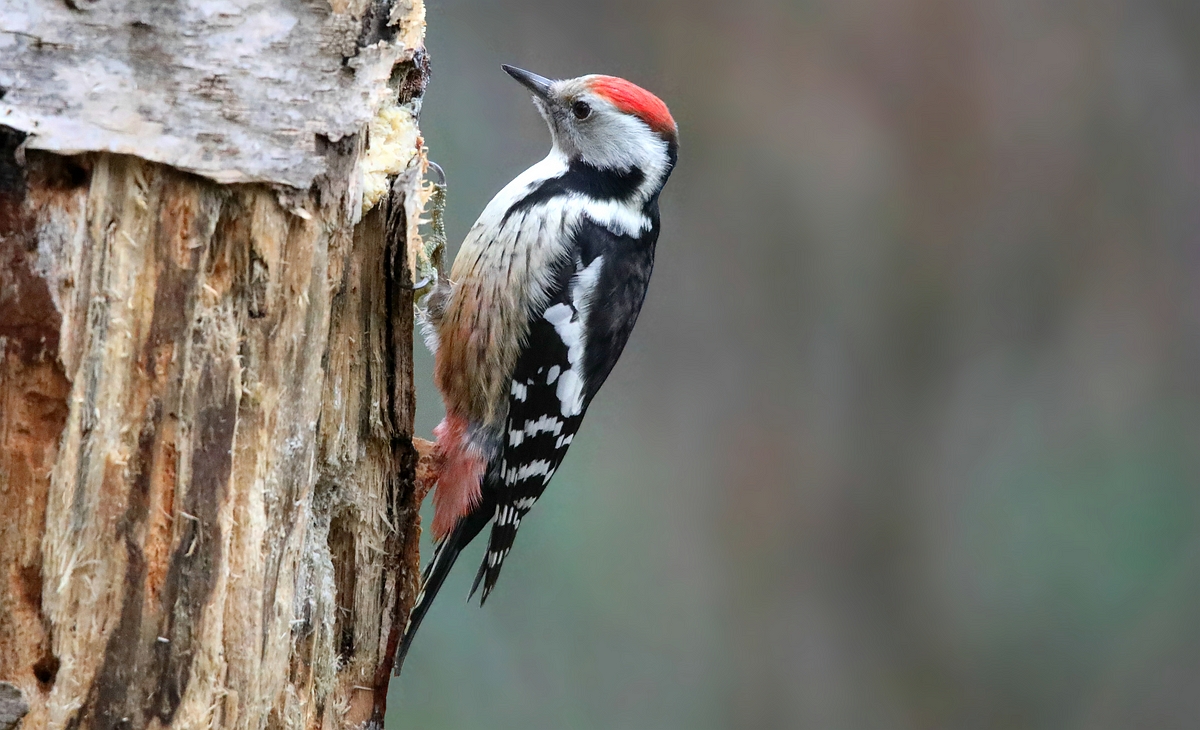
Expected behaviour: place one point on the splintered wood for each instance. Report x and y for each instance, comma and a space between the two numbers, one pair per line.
207, 505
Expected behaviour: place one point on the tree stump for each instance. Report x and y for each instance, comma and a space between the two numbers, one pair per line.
208, 234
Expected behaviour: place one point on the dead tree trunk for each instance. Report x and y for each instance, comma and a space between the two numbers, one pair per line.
208, 216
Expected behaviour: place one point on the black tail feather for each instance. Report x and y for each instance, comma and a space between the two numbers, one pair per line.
478, 579
435, 573
499, 543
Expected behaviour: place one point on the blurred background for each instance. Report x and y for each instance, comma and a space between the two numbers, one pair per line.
908, 434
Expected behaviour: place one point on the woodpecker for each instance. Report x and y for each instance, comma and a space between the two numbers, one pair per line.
540, 302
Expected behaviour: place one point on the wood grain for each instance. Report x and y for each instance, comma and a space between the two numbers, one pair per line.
206, 403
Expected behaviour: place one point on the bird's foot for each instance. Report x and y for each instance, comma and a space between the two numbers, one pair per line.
431, 261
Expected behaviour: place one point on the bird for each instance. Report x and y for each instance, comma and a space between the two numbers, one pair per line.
539, 304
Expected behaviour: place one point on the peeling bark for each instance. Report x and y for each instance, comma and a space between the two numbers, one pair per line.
206, 403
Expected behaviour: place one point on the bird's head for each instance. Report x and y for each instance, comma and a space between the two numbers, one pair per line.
604, 121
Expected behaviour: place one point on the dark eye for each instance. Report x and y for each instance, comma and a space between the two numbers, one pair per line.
581, 110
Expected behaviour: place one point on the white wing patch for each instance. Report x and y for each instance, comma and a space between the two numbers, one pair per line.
568, 322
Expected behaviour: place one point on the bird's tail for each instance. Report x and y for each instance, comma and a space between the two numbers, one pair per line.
435, 573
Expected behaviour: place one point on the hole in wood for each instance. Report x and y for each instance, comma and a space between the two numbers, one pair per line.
46, 670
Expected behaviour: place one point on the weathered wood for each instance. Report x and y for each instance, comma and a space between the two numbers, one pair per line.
206, 403
236, 90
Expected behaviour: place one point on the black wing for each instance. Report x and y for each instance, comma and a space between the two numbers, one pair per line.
573, 344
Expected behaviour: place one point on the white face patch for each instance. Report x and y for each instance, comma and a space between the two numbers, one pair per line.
611, 139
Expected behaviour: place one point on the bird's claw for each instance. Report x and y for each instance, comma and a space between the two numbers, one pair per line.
439, 173
430, 264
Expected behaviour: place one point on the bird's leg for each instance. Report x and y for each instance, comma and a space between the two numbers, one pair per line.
431, 266
428, 466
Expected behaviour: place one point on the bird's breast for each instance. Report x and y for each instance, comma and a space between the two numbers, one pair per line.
500, 277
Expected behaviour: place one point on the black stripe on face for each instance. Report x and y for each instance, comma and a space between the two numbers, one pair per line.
584, 179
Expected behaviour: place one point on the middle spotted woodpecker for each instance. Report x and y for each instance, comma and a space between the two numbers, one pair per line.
539, 305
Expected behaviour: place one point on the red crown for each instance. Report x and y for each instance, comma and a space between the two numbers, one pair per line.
633, 99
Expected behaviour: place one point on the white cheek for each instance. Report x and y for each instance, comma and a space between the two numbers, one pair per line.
615, 140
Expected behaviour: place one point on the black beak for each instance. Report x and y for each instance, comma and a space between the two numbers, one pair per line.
539, 85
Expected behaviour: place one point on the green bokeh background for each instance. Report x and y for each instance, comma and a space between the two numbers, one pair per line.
908, 433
